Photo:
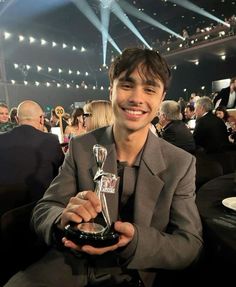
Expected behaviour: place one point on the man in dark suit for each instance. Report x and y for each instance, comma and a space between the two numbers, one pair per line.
174, 130
227, 96
210, 132
30, 158
159, 226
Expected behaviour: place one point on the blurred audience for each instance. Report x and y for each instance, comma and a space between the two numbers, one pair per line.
210, 133
77, 124
227, 96
174, 129
30, 158
5, 123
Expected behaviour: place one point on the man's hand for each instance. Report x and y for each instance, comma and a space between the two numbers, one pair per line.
83, 207
126, 231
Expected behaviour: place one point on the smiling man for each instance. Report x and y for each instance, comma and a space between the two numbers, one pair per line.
154, 209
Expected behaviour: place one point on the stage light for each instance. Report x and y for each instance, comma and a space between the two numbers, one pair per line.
89, 13
64, 46
25, 83
43, 42
13, 82
31, 40
21, 38
78, 72
70, 72
82, 49
192, 7
74, 48
54, 44
16, 66
59, 71
39, 68
48, 84
49, 69
116, 9
28, 67
146, 18
37, 83
6, 35
58, 85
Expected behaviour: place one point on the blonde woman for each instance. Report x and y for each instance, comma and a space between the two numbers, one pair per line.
98, 114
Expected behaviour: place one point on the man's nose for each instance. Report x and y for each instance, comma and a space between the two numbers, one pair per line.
137, 95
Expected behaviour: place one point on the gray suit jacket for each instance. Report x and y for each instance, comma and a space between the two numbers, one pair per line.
168, 226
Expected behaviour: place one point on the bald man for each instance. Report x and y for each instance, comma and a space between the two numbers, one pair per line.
30, 158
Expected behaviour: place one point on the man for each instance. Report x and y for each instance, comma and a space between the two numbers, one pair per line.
189, 114
159, 224
30, 158
210, 133
5, 124
227, 96
174, 129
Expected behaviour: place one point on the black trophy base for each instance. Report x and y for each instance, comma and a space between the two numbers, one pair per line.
108, 238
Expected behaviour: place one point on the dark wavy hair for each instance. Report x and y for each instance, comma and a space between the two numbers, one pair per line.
150, 62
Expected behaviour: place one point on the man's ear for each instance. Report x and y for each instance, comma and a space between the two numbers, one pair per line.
163, 96
110, 93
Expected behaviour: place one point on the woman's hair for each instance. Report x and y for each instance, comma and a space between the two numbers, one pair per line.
101, 113
75, 114
225, 112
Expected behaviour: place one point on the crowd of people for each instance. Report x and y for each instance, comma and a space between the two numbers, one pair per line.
153, 211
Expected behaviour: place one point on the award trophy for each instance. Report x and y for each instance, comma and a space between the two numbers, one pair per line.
98, 232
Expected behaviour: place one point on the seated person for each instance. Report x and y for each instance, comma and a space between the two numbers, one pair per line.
174, 129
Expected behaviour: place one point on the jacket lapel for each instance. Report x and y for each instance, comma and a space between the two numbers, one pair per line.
149, 184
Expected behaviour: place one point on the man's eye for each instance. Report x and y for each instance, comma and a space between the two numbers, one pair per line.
150, 90
126, 85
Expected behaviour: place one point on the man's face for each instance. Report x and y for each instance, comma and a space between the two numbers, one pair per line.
135, 100
4, 115
188, 114
199, 112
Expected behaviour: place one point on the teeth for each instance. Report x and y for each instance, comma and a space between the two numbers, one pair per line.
134, 112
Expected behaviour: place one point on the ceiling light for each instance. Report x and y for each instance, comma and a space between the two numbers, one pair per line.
43, 42
21, 38
7, 35
31, 40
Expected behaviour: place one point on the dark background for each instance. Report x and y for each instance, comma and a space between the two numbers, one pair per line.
61, 21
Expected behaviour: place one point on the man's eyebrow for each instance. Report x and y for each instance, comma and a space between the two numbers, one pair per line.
126, 79
152, 83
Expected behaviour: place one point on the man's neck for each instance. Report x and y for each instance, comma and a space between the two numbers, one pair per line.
128, 145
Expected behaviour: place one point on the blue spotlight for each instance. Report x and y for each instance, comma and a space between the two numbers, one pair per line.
124, 18
105, 18
88, 12
144, 17
190, 6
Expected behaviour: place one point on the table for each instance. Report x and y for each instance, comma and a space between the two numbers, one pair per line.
219, 222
